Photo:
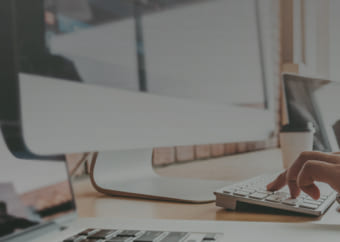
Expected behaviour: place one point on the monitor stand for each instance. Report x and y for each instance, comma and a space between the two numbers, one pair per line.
130, 174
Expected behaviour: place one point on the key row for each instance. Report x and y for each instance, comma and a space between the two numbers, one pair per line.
108, 235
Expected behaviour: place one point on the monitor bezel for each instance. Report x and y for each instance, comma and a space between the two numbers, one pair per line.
10, 115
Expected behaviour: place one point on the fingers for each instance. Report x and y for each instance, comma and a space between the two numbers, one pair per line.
281, 181
318, 171
291, 175
294, 170
278, 183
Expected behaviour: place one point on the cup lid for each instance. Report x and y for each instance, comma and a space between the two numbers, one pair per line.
307, 127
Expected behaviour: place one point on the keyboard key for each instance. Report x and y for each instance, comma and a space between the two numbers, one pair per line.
309, 206
195, 237
175, 237
88, 232
75, 238
282, 194
120, 239
103, 234
302, 194
241, 193
91, 240
310, 201
228, 190
149, 236
130, 233
291, 201
264, 191
258, 195
254, 187
238, 187
274, 198
247, 189
210, 237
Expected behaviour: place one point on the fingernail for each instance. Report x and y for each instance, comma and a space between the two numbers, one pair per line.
269, 187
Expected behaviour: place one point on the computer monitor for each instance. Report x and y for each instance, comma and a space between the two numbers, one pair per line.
179, 72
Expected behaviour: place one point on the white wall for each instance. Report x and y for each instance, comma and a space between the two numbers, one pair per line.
334, 46
316, 38
209, 50
322, 39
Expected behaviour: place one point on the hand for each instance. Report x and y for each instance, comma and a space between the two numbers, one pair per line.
310, 166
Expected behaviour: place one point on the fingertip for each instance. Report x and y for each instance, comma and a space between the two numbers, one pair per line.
274, 186
312, 190
294, 193
293, 189
278, 183
269, 186
316, 195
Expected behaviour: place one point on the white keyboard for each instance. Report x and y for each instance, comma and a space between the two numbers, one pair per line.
253, 191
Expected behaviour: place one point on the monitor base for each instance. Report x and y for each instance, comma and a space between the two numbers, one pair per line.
130, 174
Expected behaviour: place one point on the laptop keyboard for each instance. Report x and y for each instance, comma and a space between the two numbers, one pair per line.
113, 235
253, 191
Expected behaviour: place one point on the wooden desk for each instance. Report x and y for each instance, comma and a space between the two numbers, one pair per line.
234, 168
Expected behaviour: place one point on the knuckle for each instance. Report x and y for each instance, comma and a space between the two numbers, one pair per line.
305, 154
300, 180
308, 166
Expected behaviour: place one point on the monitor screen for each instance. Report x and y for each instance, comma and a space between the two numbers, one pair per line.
187, 49
32, 193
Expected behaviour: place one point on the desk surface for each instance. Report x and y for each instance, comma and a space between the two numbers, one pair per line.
233, 168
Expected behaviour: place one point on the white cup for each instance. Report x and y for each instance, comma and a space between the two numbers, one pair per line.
293, 141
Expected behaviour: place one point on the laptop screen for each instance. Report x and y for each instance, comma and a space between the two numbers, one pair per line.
315, 100
31, 193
